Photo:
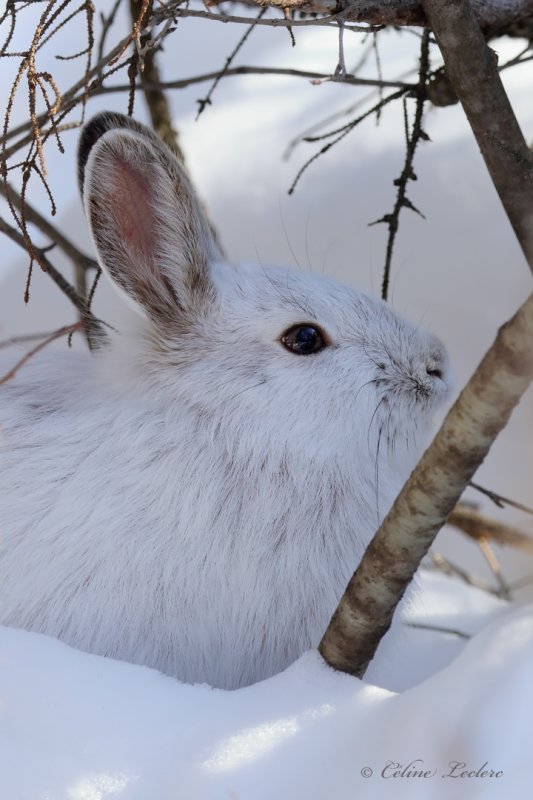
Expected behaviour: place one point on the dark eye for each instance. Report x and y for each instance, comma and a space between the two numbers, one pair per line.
303, 339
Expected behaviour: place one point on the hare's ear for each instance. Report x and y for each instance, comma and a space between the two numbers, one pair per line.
151, 235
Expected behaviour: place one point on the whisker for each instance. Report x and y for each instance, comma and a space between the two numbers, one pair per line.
376, 476
247, 389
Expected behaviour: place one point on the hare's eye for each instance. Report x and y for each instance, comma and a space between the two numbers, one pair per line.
303, 339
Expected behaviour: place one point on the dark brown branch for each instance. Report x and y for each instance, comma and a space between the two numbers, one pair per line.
327, 19
496, 18
246, 70
54, 274
472, 68
483, 409
341, 133
413, 137
156, 100
80, 260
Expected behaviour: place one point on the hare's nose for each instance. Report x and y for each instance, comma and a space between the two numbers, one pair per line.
436, 362
435, 372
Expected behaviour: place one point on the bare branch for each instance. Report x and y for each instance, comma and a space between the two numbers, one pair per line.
472, 68
156, 100
413, 137
479, 527
31, 214
320, 77
513, 17
329, 20
65, 331
454, 570
499, 500
206, 101
483, 409
54, 274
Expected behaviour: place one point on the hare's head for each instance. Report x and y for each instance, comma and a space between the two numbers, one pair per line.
284, 357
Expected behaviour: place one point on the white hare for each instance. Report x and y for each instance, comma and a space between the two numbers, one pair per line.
196, 496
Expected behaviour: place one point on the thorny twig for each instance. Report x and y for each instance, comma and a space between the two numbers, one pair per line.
413, 137
206, 101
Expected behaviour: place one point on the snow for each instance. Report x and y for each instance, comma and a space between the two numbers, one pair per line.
75, 726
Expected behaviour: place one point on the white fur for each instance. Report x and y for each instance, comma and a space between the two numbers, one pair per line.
196, 499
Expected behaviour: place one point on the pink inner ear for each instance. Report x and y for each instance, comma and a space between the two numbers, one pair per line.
131, 207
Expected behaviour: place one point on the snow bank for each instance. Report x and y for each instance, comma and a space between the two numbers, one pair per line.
79, 727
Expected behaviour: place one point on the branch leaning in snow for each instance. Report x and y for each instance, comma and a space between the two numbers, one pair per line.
483, 409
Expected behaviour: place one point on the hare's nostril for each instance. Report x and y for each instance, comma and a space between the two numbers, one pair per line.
434, 372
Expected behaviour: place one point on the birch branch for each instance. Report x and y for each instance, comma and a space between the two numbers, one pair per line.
483, 409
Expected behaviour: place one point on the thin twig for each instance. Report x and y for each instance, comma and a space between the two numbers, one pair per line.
65, 331
80, 259
495, 567
327, 21
499, 500
250, 70
408, 174
54, 274
340, 134
206, 101
438, 629
156, 99
451, 569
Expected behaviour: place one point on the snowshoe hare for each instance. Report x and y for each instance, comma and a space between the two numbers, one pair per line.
196, 496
